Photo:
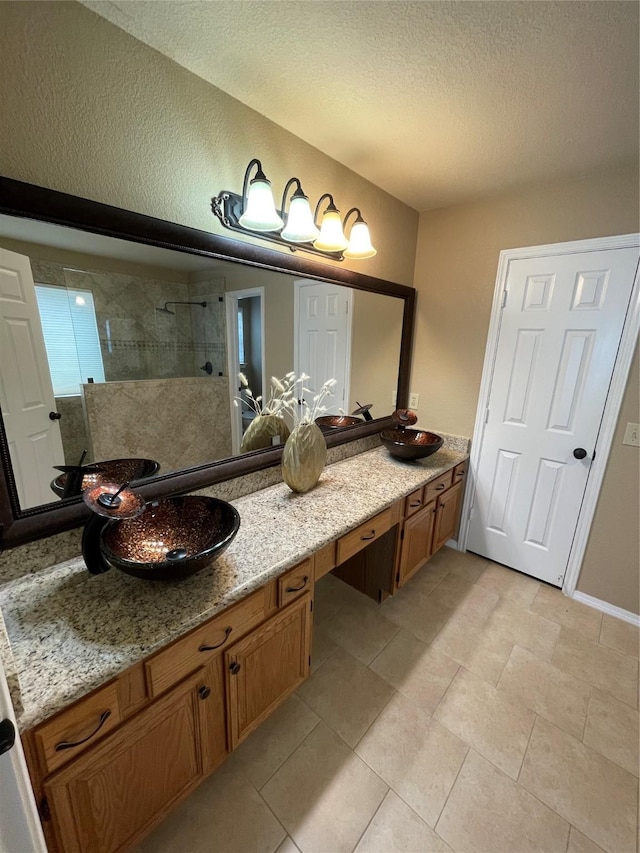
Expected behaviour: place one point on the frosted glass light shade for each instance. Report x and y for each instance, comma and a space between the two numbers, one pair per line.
300, 227
331, 237
360, 242
260, 213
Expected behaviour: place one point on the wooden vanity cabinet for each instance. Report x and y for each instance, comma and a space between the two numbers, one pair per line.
266, 667
111, 795
431, 517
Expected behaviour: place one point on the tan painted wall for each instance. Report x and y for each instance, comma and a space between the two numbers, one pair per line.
456, 264
90, 110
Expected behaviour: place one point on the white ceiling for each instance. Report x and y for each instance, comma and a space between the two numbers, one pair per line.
435, 102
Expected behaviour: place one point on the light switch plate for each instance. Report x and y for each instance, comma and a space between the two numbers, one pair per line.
414, 401
632, 435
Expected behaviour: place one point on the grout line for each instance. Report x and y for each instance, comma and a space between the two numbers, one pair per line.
366, 731
361, 836
444, 805
441, 699
295, 749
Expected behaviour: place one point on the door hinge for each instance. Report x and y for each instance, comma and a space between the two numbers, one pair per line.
504, 298
44, 810
311, 606
594, 454
486, 415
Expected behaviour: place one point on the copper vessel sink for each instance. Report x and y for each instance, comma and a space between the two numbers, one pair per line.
108, 471
171, 539
327, 422
410, 444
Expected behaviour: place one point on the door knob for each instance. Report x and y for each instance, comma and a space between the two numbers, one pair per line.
7, 736
579, 452
54, 416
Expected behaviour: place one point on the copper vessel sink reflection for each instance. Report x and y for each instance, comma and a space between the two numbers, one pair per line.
410, 443
111, 471
327, 422
171, 539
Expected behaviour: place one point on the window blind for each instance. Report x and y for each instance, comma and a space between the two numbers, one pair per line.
71, 337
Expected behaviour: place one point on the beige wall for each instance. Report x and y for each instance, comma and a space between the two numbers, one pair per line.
456, 264
90, 110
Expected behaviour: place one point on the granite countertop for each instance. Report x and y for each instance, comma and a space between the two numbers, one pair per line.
70, 631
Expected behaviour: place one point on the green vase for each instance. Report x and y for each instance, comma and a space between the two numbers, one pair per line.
261, 431
303, 457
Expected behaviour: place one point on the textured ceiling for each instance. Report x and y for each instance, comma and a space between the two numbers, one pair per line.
435, 102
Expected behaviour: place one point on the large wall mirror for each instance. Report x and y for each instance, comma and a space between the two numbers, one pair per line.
122, 336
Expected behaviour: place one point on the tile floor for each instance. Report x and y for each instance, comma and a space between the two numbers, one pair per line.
477, 710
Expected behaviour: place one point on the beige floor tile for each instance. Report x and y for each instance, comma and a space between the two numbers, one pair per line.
475, 645
491, 723
620, 635
552, 604
548, 691
288, 846
416, 613
273, 742
208, 820
603, 668
509, 584
464, 564
591, 792
397, 827
347, 695
415, 755
526, 629
579, 843
613, 730
429, 576
489, 813
452, 591
324, 795
360, 627
322, 646
419, 672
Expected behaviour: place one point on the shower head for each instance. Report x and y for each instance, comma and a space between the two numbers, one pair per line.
166, 310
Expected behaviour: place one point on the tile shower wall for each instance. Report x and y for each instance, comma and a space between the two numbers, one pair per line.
137, 340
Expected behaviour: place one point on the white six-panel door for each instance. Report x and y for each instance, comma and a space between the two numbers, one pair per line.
26, 393
560, 329
323, 330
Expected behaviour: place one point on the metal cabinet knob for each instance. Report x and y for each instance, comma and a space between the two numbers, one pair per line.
204, 692
235, 668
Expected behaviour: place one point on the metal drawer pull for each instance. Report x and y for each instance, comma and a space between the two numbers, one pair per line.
415, 504
298, 588
235, 668
369, 536
212, 648
440, 487
68, 745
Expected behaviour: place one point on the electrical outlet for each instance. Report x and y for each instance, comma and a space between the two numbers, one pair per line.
632, 435
414, 401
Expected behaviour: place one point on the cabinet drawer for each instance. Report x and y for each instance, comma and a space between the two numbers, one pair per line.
365, 534
295, 583
436, 487
459, 472
197, 648
414, 502
77, 727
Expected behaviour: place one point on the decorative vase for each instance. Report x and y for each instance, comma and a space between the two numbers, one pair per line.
262, 430
303, 457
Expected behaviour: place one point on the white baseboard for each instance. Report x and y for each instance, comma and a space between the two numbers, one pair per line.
611, 609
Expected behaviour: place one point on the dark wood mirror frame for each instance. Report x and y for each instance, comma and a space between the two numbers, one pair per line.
17, 198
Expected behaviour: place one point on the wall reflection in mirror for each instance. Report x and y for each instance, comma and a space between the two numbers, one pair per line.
138, 348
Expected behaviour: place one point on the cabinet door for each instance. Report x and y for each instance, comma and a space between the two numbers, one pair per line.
265, 667
447, 513
112, 794
416, 542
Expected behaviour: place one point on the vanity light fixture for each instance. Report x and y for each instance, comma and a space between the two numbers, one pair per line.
254, 212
